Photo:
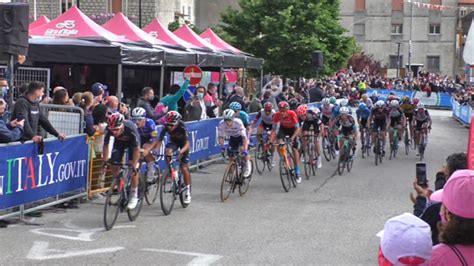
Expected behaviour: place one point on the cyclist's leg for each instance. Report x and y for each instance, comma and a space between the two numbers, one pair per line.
185, 168
260, 133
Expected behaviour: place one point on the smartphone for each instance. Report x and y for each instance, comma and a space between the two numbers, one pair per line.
421, 174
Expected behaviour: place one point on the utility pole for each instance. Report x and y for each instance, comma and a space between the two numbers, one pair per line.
398, 59
409, 42
140, 14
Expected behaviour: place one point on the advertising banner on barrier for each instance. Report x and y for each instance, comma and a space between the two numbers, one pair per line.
440, 99
27, 176
462, 112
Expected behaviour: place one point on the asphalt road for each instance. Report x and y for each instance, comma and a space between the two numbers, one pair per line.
324, 221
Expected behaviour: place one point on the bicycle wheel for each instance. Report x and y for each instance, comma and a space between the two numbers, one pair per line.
326, 148
285, 176
133, 213
228, 181
313, 159
245, 183
292, 166
377, 152
306, 163
407, 143
421, 149
349, 160
367, 143
152, 188
395, 147
363, 148
182, 190
341, 164
113, 201
167, 192
260, 159
380, 151
269, 160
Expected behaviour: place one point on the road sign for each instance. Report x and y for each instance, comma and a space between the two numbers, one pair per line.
193, 73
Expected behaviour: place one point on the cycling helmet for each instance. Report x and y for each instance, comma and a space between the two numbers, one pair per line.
283, 105
138, 113
344, 102
332, 100
394, 103
172, 117
374, 94
420, 105
416, 101
115, 120
391, 98
235, 106
228, 114
364, 97
268, 106
379, 103
362, 106
344, 110
353, 89
325, 101
293, 103
405, 99
302, 110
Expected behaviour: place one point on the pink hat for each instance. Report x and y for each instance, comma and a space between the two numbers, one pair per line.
458, 194
406, 238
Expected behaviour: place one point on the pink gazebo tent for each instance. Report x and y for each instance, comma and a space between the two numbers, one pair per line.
210, 36
75, 24
39, 22
160, 32
186, 33
122, 26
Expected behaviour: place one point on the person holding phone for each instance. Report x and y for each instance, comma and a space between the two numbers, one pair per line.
12, 131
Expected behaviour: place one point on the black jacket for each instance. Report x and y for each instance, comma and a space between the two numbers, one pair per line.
316, 94
150, 112
34, 117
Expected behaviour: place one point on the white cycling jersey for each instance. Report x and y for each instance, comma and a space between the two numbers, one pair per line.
267, 119
236, 130
326, 110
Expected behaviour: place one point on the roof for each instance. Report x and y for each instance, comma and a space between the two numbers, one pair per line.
39, 22
210, 36
159, 31
465, 2
186, 33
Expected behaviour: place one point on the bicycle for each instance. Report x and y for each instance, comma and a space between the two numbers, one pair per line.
263, 154
378, 147
346, 157
309, 157
151, 187
172, 185
233, 176
365, 142
423, 142
287, 169
329, 150
118, 195
407, 142
394, 144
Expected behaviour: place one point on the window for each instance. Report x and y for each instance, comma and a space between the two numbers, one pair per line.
393, 62
397, 29
463, 12
359, 32
397, 5
433, 63
359, 5
435, 2
435, 29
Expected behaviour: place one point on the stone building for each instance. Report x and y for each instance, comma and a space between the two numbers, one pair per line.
100, 10
379, 25
208, 12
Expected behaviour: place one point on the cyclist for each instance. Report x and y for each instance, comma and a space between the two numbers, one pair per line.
293, 102
408, 109
286, 122
242, 115
396, 119
374, 96
264, 121
367, 101
178, 138
147, 131
235, 130
422, 119
345, 125
125, 137
326, 113
363, 114
311, 117
378, 120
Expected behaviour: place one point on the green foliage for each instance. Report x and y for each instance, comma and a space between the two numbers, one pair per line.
175, 25
286, 32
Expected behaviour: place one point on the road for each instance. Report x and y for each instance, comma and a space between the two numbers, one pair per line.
324, 221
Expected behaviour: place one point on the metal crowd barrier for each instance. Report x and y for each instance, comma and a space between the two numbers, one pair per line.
66, 119
28, 74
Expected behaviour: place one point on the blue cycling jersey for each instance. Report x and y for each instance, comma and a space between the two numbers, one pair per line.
363, 114
245, 118
148, 133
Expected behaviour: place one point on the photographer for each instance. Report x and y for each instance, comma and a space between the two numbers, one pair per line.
430, 212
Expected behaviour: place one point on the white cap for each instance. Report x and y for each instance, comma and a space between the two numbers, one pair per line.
405, 236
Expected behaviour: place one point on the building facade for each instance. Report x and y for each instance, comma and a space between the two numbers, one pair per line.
208, 12
379, 27
100, 10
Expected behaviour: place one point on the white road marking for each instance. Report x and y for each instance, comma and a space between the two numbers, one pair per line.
40, 251
82, 234
201, 259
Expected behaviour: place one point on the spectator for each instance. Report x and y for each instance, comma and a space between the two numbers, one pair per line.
238, 96
256, 104
176, 93
76, 98
212, 101
61, 97
145, 102
316, 94
430, 213
87, 101
457, 216
12, 131
113, 105
98, 90
196, 108
3, 88
404, 240
27, 108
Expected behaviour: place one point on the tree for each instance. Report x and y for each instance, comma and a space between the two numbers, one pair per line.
361, 61
286, 32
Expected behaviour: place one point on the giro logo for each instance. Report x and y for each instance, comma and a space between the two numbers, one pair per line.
63, 29
153, 34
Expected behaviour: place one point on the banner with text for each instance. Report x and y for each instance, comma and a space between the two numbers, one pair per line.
462, 112
27, 176
441, 99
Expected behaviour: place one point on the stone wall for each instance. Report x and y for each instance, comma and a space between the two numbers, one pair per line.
44, 7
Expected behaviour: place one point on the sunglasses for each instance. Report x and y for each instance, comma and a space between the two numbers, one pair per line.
170, 125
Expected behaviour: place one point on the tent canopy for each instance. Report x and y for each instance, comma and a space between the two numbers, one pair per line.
187, 34
75, 24
122, 26
160, 32
210, 36
39, 22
